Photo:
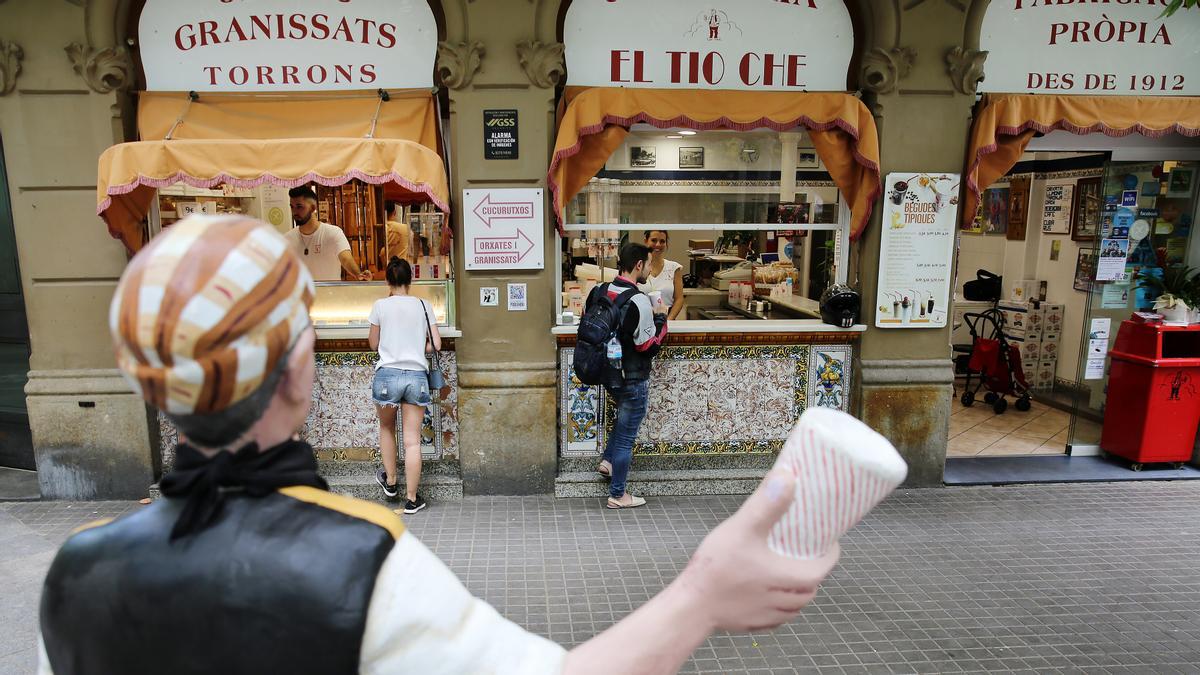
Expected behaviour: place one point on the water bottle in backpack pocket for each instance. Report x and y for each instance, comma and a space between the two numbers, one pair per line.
598, 349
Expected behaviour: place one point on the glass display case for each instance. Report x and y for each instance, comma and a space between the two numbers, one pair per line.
341, 304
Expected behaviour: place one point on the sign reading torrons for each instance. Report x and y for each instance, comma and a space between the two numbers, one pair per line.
287, 45
763, 45
1096, 47
503, 229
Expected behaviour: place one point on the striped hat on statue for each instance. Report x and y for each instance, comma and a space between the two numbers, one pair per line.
204, 312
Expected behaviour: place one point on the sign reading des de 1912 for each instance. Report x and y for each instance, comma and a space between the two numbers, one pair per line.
758, 45
287, 45
1094, 47
504, 229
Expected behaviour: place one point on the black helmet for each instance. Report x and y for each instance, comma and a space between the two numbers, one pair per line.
839, 306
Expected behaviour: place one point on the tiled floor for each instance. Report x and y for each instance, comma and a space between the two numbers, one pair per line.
1089, 579
979, 432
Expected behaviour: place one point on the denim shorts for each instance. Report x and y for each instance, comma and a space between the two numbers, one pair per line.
393, 386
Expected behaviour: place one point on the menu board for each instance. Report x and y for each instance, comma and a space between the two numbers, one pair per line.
1056, 212
917, 250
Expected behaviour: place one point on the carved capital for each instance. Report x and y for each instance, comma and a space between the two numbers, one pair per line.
103, 70
543, 63
883, 69
457, 63
10, 65
965, 67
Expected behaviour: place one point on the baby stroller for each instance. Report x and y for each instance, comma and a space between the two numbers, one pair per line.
994, 364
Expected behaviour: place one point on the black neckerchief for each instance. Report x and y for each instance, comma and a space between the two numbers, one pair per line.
204, 481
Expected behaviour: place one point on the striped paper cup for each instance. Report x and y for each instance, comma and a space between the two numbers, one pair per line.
843, 468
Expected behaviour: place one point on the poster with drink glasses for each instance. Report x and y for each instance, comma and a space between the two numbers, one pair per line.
917, 252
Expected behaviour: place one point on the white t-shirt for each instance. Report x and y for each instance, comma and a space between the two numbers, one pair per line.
324, 246
664, 282
402, 332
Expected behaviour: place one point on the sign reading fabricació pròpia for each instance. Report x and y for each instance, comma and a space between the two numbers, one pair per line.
1095, 47
287, 45
759, 45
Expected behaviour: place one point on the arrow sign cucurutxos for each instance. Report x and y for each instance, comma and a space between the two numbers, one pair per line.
505, 245
487, 210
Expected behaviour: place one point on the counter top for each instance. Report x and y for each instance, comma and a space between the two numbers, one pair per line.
742, 326
360, 332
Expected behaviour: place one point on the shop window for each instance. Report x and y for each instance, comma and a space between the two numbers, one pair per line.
748, 217
418, 232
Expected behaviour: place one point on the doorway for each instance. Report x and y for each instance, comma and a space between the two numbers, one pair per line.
16, 445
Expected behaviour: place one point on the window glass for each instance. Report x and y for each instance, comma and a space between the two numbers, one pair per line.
722, 213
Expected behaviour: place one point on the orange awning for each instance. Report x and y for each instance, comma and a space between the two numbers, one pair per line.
410, 115
246, 141
1007, 122
596, 120
131, 172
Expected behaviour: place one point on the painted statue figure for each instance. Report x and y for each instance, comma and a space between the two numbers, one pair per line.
249, 565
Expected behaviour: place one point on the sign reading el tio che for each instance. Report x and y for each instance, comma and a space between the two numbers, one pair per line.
1107, 47
287, 45
504, 229
760, 45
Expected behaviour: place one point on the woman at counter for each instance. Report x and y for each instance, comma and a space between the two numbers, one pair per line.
665, 277
402, 331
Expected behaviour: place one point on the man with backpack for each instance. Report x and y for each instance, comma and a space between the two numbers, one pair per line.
618, 337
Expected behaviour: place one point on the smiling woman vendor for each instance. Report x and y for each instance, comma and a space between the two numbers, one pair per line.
664, 277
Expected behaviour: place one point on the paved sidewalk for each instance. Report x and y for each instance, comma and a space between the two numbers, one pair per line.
1091, 578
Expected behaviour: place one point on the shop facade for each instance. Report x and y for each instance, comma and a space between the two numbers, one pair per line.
1085, 175
906, 76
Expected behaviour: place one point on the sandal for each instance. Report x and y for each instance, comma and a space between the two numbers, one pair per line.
634, 502
604, 469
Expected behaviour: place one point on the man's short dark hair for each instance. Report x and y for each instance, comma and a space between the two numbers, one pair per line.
302, 191
631, 254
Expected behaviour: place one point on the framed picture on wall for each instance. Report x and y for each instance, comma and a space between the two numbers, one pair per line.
995, 211
807, 159
1085, 269
1018, 208
1089, 204
642, 156
691, 158
1179, 182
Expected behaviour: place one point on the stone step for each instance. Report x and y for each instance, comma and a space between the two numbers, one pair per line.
676, 462
434, 488
440, 480
741, 481
330, 468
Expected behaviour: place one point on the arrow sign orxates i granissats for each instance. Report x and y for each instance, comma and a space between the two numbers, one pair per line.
504, 229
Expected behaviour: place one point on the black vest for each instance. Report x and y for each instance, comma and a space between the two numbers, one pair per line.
278, 584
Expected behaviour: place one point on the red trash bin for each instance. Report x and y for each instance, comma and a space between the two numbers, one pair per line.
1153, 403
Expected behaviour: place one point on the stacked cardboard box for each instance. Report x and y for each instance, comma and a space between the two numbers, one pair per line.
1036, 330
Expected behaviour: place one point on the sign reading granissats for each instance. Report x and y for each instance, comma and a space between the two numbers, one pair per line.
287, 45
764, 45
1095, 47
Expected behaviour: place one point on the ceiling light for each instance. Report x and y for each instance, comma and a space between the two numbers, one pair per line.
687, 132
674, 136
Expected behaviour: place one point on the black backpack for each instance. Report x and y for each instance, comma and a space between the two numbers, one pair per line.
601, 320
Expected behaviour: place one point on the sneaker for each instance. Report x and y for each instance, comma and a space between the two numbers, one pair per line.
411, 506
390, 491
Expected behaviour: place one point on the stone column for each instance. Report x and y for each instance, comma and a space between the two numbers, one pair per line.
919, 75
92, 436
506, 360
